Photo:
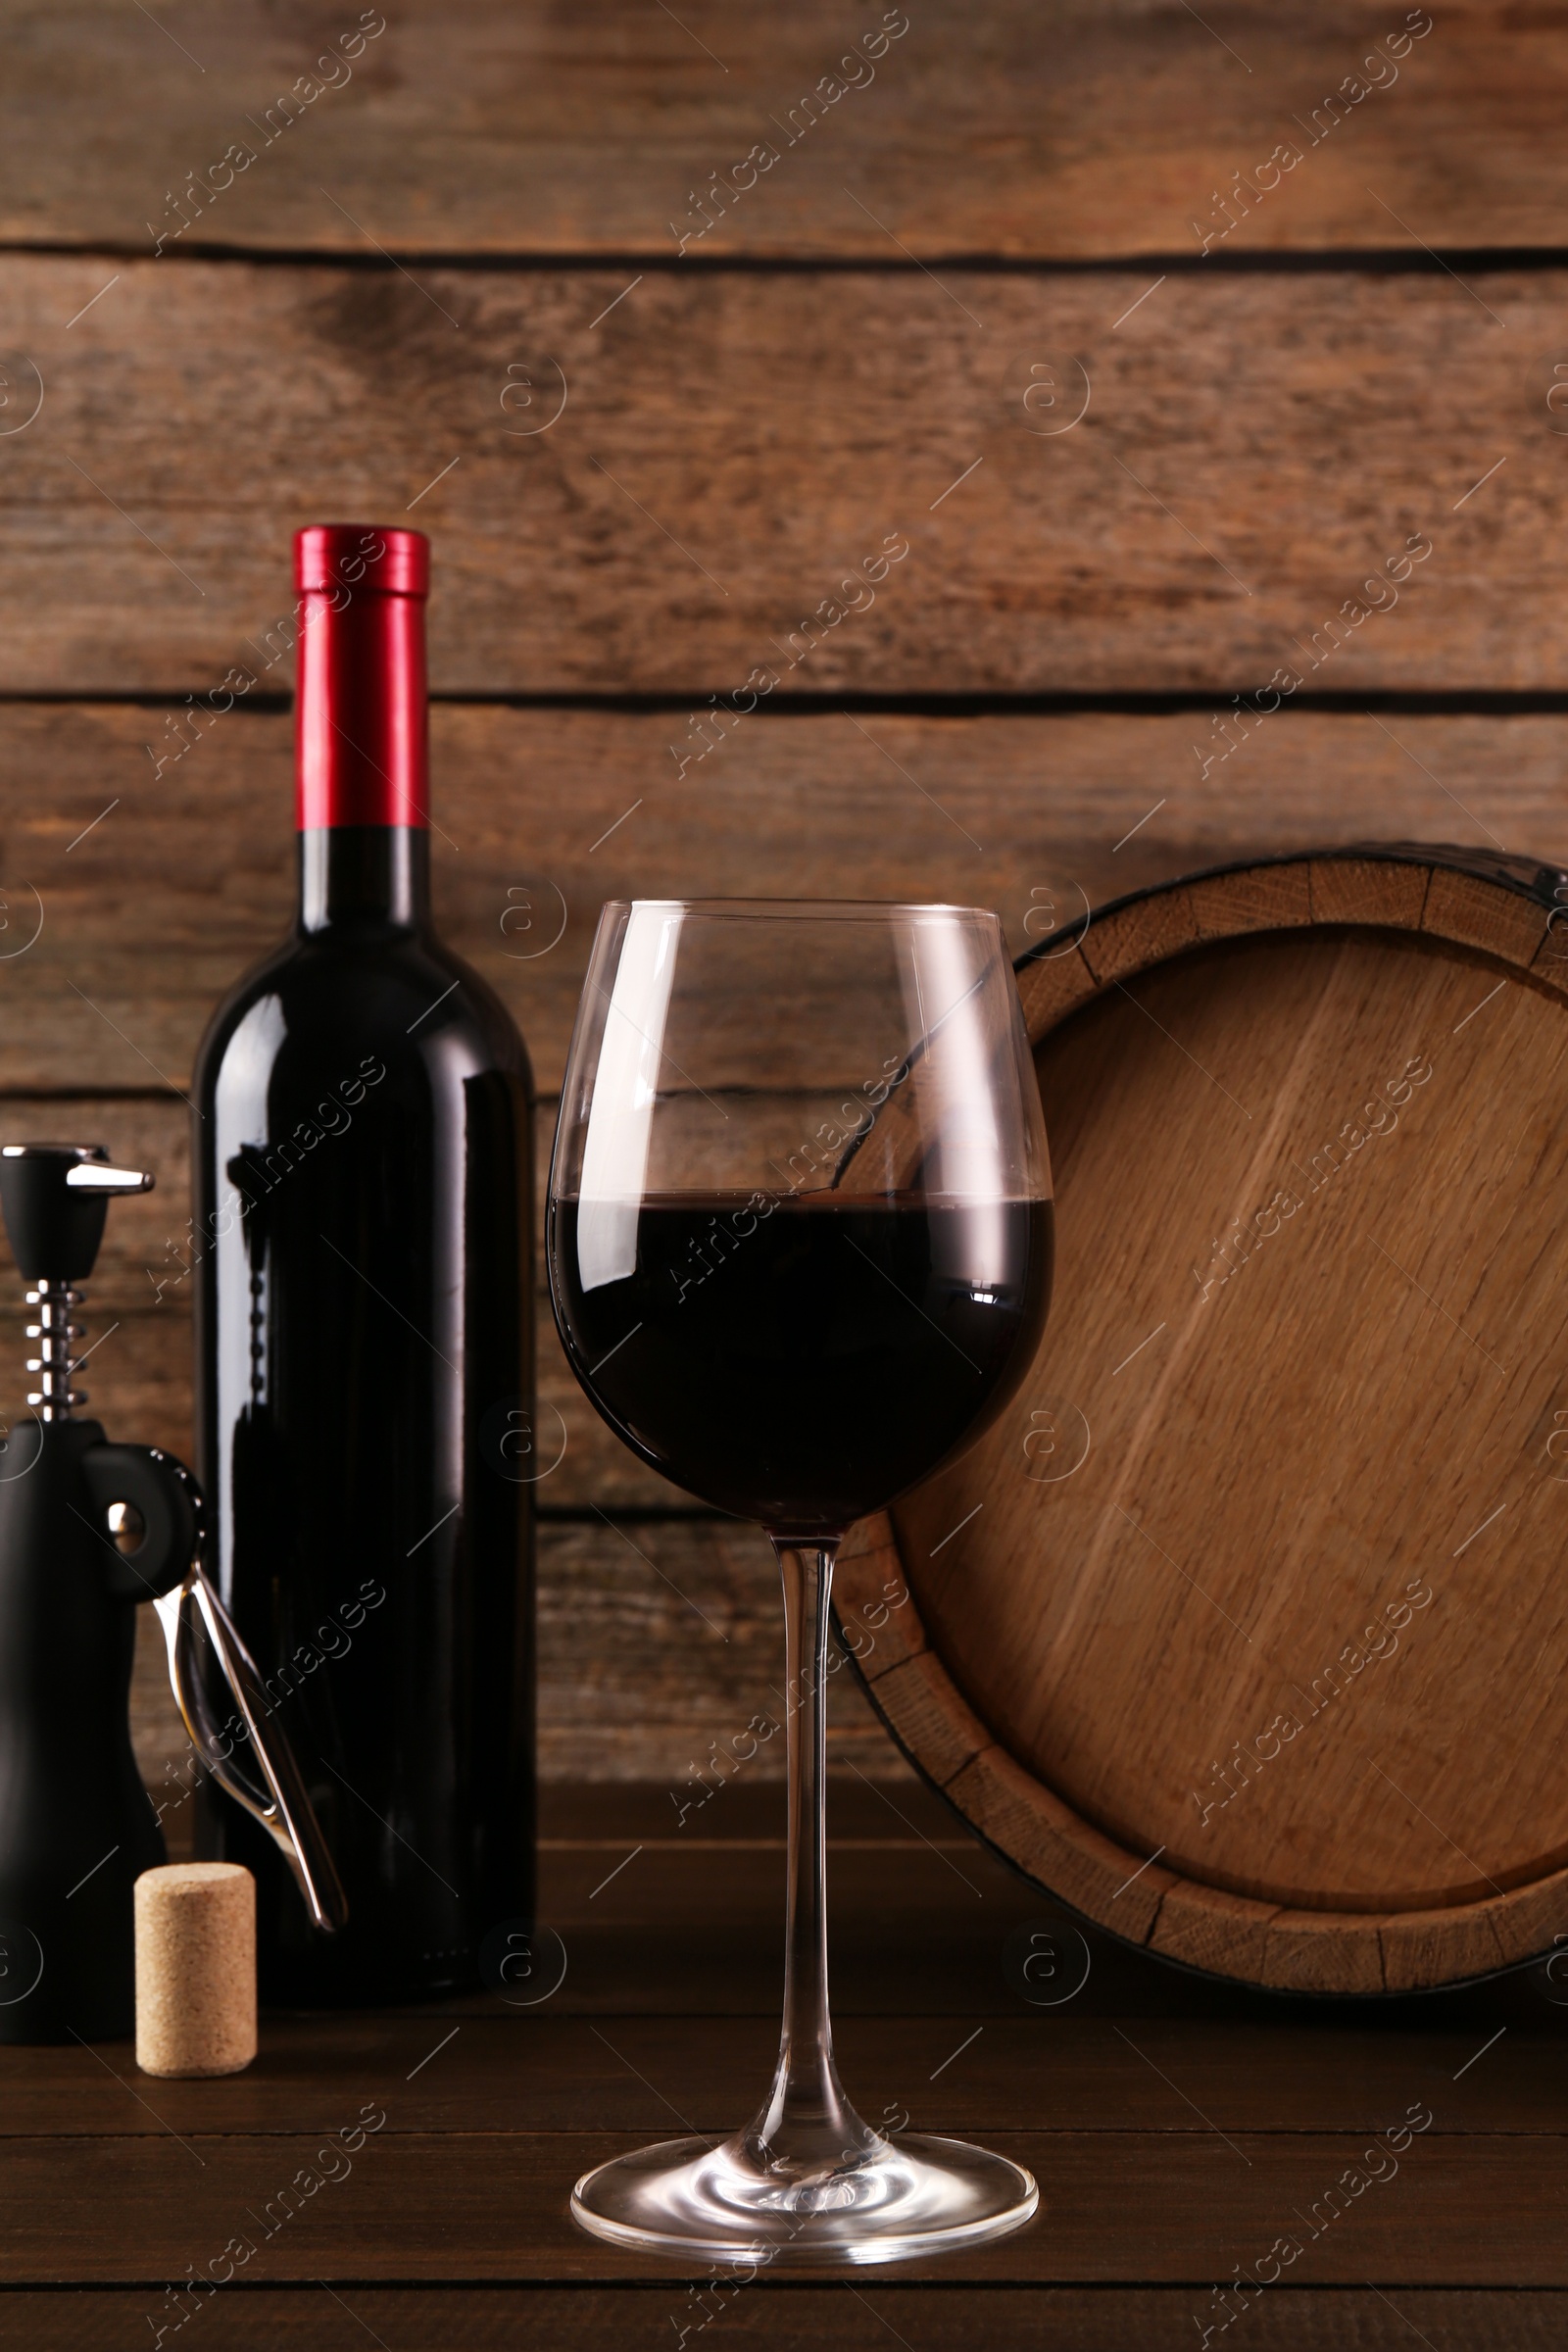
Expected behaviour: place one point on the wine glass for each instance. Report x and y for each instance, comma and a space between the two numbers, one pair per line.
800, 1244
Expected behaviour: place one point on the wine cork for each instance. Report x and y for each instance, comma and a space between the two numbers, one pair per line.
195, 1969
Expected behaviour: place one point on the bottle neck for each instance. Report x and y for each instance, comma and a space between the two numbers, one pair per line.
366, 875
362, 761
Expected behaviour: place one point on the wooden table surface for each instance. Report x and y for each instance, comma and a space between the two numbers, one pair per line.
1177, 2129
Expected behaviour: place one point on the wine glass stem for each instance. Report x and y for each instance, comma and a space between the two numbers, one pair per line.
806, 2121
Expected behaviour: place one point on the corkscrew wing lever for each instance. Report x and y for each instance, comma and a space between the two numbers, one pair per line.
91, 1176
190, 1611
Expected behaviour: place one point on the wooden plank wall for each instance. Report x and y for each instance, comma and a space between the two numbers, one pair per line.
1009, 453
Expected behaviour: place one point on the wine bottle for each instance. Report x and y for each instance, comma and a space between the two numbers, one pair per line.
363, 1204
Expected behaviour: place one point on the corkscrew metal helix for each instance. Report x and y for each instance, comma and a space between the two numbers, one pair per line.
53, 1297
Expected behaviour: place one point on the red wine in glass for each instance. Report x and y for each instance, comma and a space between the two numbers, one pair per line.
802, 1366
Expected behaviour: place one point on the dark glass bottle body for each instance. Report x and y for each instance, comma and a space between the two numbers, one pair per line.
364, 1187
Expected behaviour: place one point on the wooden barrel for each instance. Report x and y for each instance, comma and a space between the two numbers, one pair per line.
1245, 1632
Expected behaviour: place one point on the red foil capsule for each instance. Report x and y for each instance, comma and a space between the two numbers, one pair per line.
361, 726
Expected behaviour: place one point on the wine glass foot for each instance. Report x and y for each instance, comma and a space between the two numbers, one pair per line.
914, 2195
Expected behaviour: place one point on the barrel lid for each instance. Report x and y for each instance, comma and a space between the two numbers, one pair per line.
1242, 1632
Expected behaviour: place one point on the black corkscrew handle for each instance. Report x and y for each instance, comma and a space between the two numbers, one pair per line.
55, 1198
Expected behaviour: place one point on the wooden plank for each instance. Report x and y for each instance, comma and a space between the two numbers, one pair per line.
722, 452
931, 1717
1551, 964
1459, 907
418, 2207
807, 2318
579, 1814
1317, 1951
696, 1928
486, 127
1202, 1927
1052, 986
189, 879
685, 1668
921, 1917
1415, 1948
683, 1918
1519, 1928
1047, 1838
660, 1648
1368, 890
1144, 933
871, 1596
546, 2070
1271, 898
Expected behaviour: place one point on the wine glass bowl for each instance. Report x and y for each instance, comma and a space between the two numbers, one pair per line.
800, 1249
